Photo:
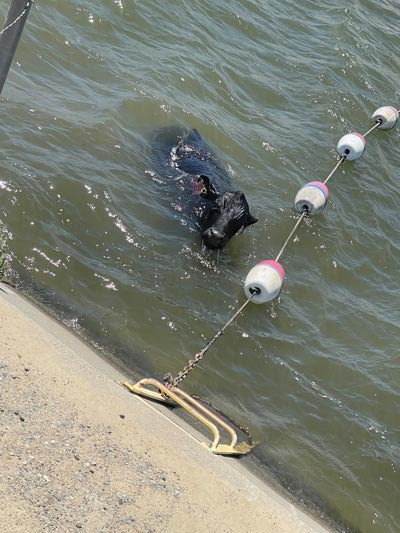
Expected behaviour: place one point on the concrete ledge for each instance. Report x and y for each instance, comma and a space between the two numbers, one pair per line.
78, 452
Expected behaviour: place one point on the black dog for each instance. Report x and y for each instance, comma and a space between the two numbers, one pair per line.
221, 212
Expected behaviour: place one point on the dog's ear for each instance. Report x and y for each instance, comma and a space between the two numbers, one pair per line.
251, 220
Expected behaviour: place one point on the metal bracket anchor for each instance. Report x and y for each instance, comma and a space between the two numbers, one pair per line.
170, 395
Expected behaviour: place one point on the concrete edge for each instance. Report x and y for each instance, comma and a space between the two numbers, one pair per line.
157, 420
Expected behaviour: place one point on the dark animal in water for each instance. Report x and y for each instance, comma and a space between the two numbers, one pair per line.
221, 212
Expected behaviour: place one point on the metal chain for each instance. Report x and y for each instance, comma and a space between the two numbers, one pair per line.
170, 381
27, 6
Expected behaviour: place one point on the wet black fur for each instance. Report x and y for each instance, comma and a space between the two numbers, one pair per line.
223, 212
193, 180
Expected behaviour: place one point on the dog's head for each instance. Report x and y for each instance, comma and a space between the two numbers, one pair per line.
225, 214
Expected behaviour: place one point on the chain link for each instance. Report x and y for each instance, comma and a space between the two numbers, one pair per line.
170, 381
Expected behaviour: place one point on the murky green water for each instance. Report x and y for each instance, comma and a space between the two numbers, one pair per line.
271, 86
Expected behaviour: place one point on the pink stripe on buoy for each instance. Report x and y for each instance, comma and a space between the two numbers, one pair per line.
359, 135
275, 265
320, 186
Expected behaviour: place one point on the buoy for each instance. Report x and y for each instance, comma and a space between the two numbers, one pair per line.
388, 117
264, 281
351, 145
312, 197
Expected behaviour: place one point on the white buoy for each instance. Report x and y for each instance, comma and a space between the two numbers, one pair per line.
388, 117
264, 281
351, 145
312, 197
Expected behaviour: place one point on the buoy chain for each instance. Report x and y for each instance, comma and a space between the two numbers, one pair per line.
376, 125
170, 381
265, 280
303, 214
305, 208
343, 158
27, 6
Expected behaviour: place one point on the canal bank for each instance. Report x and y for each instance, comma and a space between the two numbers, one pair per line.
79, 451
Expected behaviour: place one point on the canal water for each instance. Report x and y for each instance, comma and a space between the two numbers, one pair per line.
93, 228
